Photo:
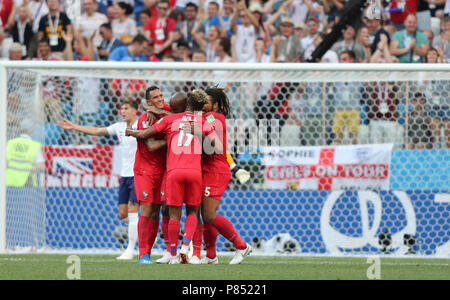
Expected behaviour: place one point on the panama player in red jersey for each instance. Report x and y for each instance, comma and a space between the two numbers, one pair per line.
149, 169
216, 175
178, 104
184, 175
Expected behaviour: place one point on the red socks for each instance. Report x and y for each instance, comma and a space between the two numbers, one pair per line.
165, 231
210, 236
197, 240
190, 226
147, 232
173, 233
227, 230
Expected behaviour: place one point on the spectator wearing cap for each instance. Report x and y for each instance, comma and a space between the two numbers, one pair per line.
124, 26
286, 47
274, 22
409, 45
246, 33
264, 31
372, 20
109, 42
160, 29
313, 31
349, 43
300, 30
183, 30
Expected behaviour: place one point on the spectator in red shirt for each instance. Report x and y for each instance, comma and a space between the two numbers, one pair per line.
6, 7
399, 10
160, 29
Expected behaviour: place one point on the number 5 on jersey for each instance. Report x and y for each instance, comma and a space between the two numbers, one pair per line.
207, 191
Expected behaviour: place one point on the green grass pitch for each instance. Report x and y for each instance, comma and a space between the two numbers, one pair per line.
106, 267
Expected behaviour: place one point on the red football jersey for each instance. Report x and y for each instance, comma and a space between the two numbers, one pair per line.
216, 163
147, 162
184, 150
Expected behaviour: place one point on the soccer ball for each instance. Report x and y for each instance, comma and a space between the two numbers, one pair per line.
121, 234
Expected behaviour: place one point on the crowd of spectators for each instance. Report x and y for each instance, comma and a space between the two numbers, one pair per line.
250, 31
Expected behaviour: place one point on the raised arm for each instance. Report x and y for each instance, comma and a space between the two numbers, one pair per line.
96, 131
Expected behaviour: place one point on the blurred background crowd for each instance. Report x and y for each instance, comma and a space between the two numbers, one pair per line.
402, 31
411, 115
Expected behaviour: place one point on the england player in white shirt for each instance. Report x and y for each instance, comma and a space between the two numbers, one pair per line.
128, 203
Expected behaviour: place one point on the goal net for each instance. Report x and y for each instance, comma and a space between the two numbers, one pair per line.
344, 159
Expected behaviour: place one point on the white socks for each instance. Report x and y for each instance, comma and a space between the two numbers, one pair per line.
133, 220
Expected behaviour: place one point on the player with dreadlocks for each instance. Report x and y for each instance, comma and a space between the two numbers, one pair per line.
216, 175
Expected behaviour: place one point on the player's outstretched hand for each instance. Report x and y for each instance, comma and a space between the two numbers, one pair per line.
66, 124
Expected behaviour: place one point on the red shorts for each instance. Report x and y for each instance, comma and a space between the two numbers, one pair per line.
215, 184
148, 188
163, 188
184, 186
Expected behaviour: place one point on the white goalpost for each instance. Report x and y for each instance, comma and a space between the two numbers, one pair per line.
73, 205
3, 108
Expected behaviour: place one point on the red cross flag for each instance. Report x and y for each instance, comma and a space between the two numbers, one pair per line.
328, 168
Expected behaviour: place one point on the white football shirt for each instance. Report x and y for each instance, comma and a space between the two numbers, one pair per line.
128, 146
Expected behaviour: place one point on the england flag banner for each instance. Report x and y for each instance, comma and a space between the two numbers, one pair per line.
328, 168
81, 166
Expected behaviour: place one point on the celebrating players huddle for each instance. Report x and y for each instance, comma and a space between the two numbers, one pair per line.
190, 168
180, 158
